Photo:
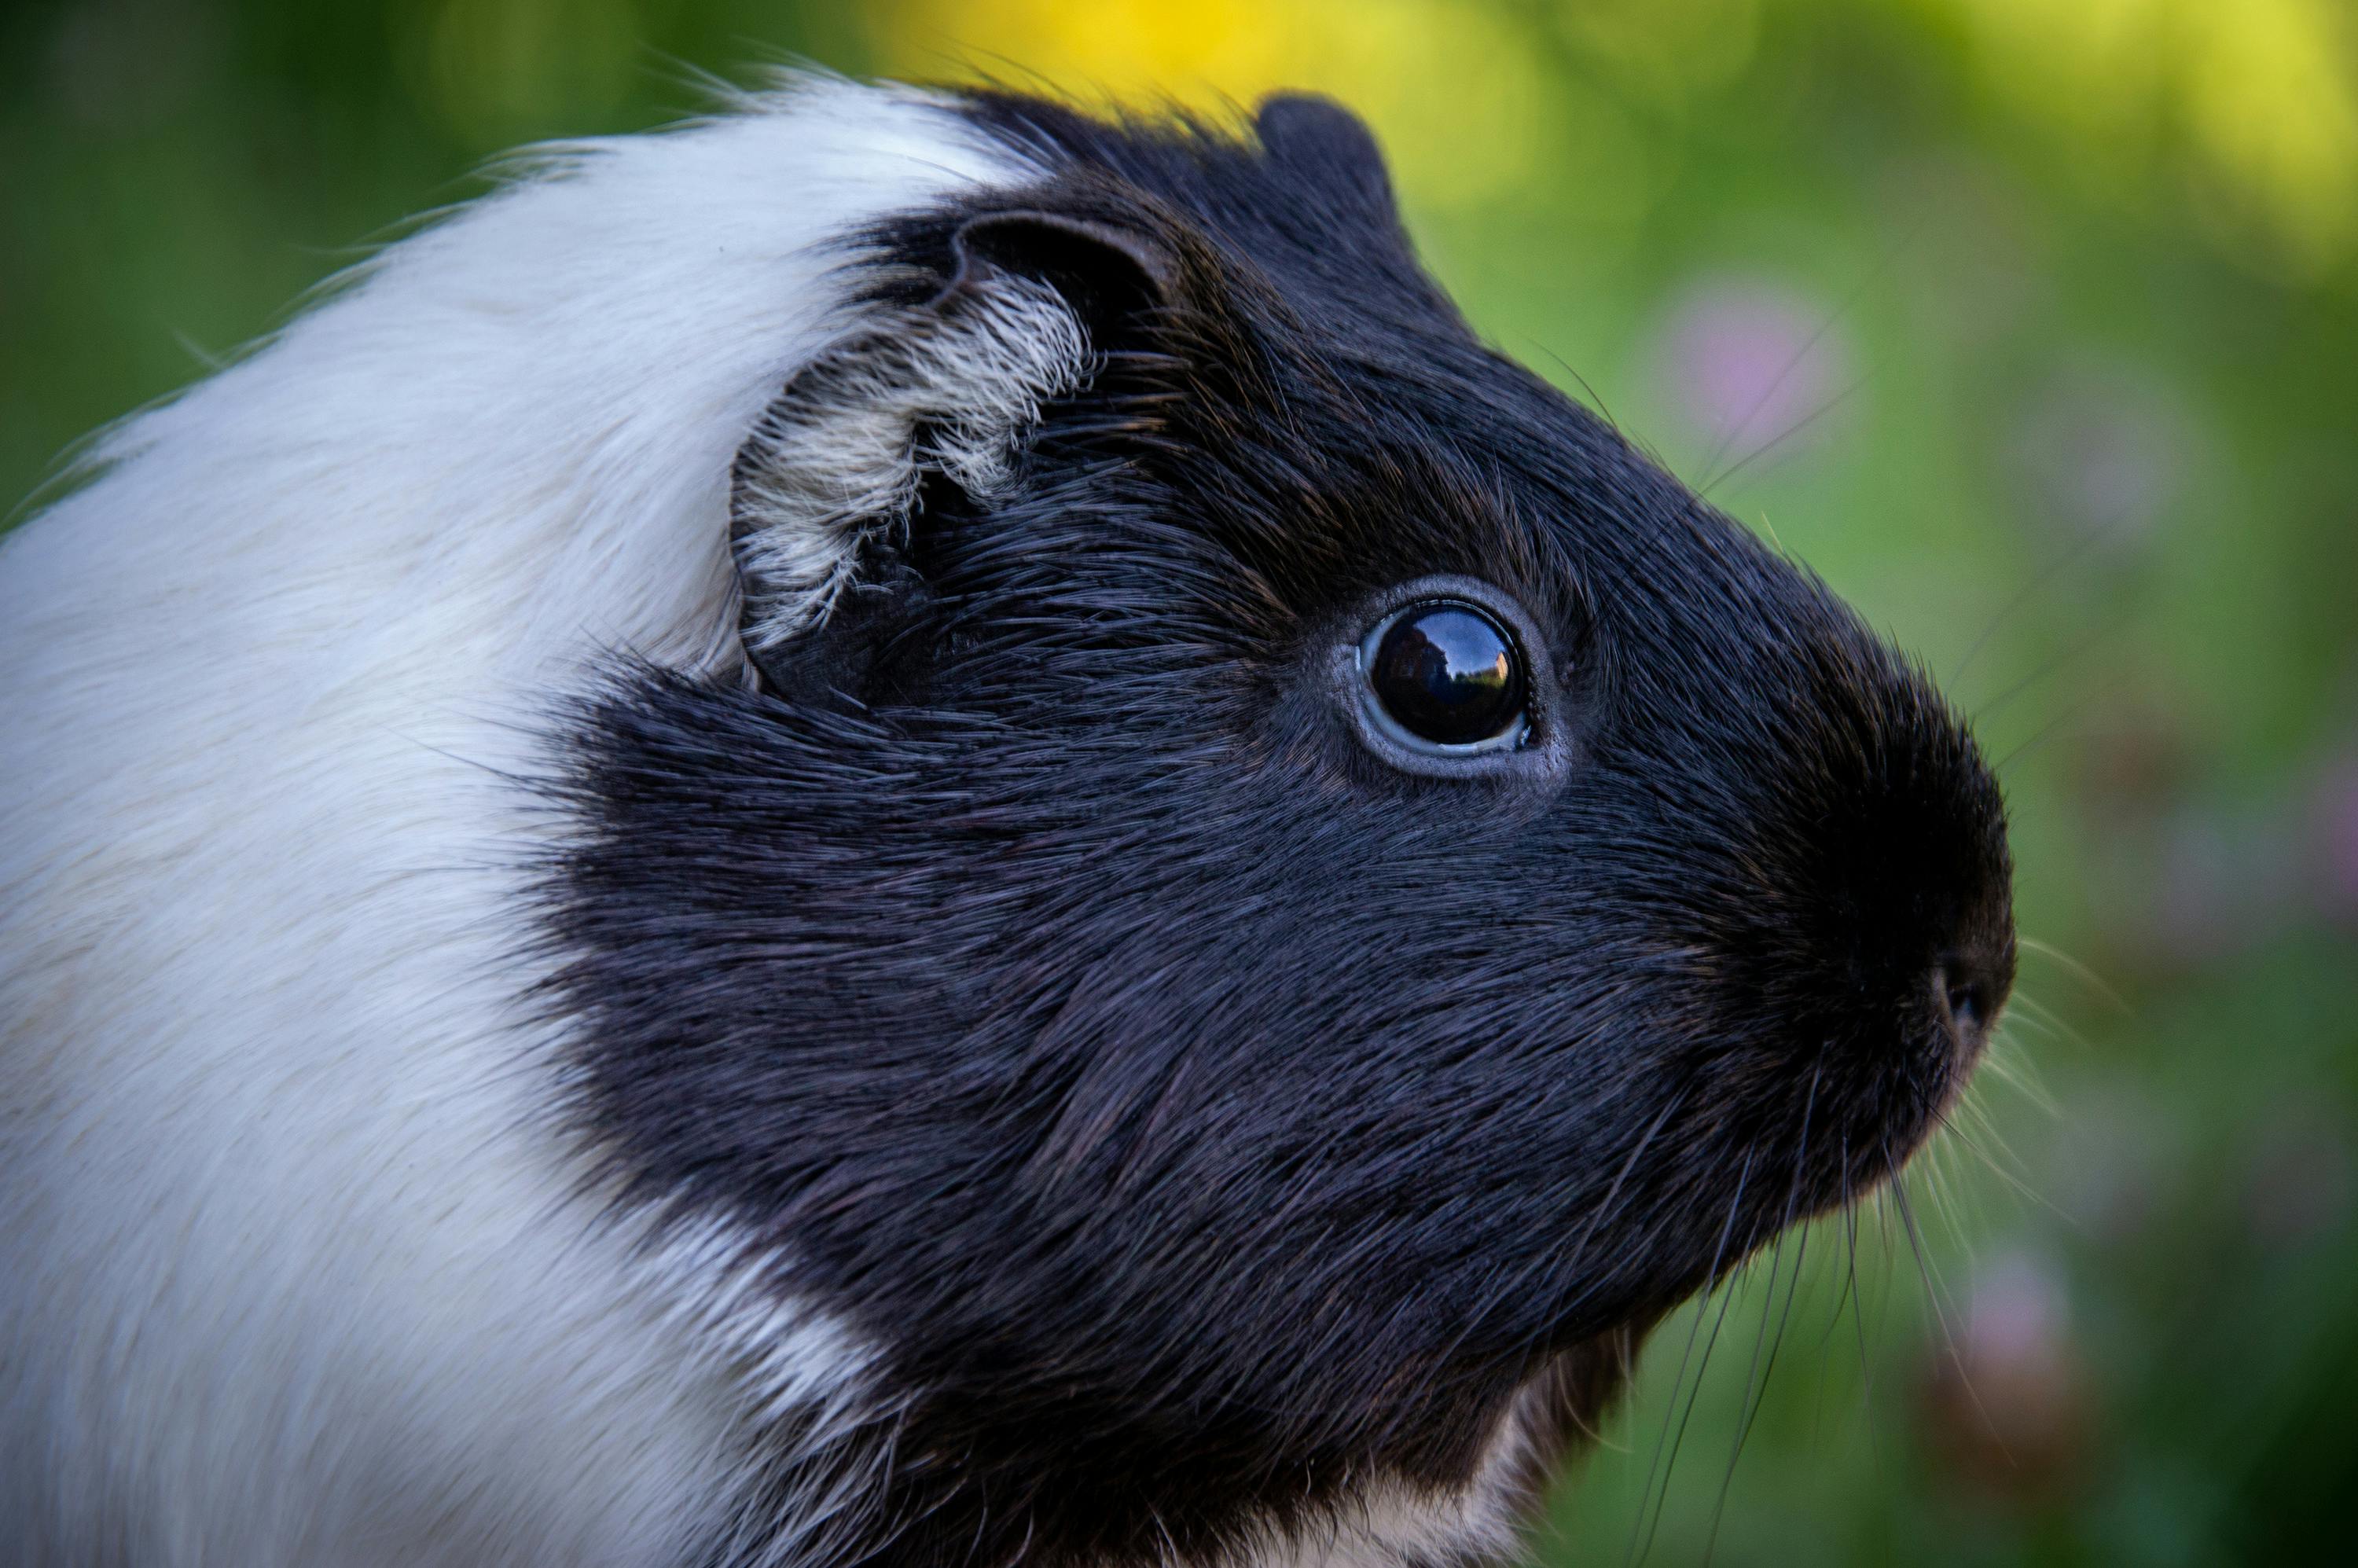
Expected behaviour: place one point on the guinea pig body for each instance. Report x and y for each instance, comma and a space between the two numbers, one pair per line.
745, 863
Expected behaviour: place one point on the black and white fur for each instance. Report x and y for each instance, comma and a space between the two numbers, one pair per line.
682, 885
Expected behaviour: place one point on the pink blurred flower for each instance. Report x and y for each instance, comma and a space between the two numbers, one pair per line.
2333, 829
2009, 1412
1751, 363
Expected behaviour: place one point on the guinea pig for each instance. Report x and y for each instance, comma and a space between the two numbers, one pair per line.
911, 830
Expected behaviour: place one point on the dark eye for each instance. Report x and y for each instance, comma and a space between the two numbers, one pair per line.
1445, 676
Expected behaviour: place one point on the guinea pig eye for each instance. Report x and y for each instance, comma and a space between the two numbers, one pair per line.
1444, 677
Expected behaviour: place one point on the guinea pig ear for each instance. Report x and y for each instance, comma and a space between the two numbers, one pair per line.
1103, 270
829, 488
1332, 151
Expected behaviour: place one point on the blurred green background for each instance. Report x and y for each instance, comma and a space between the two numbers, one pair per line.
2032, 324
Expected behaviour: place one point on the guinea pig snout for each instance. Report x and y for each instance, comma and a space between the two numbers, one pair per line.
1883, 912
1950, 914
1928, 961
1920, 921
1894, 951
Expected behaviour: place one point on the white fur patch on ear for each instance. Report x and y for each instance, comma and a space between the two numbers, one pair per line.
836, 461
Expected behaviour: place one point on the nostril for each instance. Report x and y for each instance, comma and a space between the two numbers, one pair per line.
1967, 993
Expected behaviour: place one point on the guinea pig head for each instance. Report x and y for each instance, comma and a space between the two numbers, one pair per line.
1273, 893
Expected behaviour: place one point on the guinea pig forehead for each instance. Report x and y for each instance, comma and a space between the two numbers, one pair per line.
1450, 514
1469, 462
1356, 509
1445, 503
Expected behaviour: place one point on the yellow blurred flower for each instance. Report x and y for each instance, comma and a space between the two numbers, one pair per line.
1453, 87
1471, 100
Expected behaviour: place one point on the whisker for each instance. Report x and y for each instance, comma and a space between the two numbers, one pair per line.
1566, 366
1800, 355
1934, 1296
2048, 731
1743, 1401
1727, 1294
2070, 654
1883, 1210
1756, 1392
1756, 1377
2028, 1010
1850, 1285
1719, 1253
1787, 434
1941, 1185
2036, 1021
2079, 970
2063, 561
2016, 1183
2009, 1062
1969, 1109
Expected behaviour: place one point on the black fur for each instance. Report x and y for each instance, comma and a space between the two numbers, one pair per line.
1201, 1116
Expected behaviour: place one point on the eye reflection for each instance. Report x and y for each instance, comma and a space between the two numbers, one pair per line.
1445, 673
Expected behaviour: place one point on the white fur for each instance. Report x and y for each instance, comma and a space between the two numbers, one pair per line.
1384, 1523
290, 1272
